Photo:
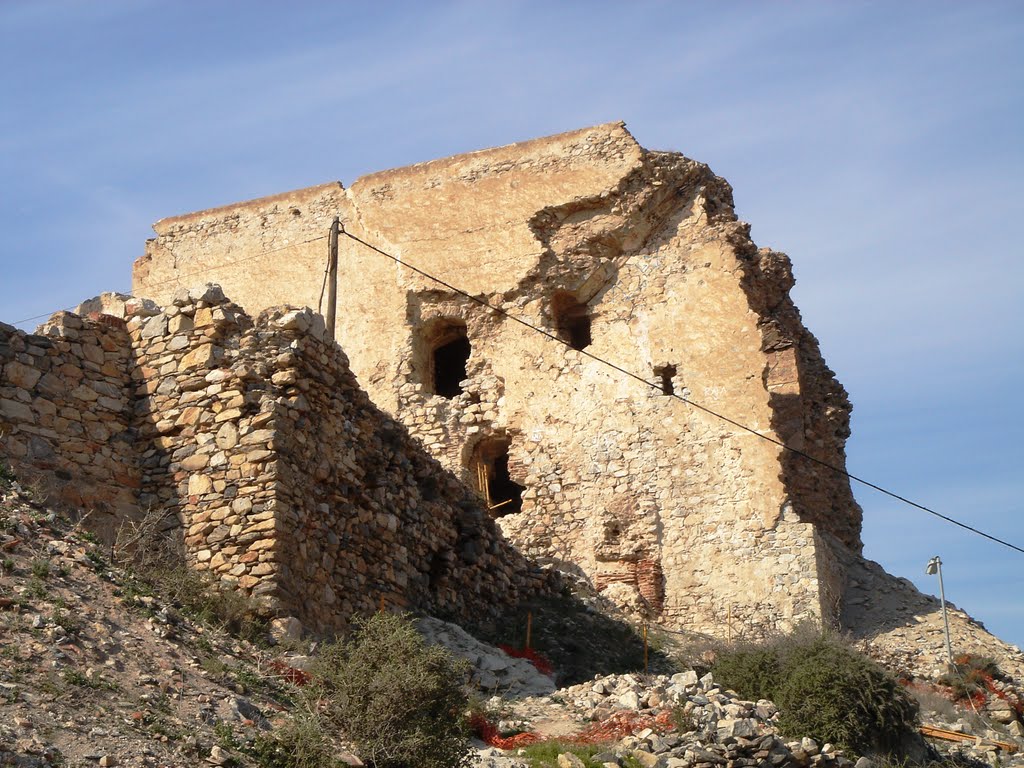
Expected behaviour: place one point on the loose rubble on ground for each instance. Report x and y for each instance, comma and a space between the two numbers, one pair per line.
95, 673
713, 727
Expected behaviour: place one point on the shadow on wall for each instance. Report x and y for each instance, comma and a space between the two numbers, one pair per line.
810, 408
289, 483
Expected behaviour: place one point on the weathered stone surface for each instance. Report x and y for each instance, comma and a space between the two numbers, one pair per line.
20, 375
597, 241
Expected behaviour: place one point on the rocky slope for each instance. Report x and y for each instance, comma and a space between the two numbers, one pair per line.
97, 670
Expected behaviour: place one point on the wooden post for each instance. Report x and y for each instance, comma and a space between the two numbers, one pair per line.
529, 627
729, 624
332, 279
646, 666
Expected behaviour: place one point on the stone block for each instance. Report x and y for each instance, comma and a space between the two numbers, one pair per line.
16, 412
20, 375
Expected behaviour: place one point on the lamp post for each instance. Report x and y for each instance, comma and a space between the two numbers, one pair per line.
935, 567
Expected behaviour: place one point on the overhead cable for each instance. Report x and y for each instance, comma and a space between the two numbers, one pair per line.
688, 401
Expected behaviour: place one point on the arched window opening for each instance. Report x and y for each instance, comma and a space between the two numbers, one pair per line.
450, 367
504, 496
450, 350
666, 373
572, 320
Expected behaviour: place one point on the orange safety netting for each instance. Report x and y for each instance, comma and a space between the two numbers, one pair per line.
543, 666
488, 733
613, 728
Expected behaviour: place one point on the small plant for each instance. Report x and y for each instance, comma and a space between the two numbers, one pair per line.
74, 677
7, 477
66, 621
753, 670
89, 537
683, 720
970, 678
545, 754
211, 604
97, 561
7, 565
299, 743
36, 588
41, 568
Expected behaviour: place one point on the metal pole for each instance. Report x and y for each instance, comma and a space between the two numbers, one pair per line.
945, 617
332, 279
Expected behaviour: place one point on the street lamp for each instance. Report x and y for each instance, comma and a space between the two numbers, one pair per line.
935, 567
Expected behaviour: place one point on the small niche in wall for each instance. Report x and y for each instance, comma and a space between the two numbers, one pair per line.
504, 496
450, 350
572, 320
666, 375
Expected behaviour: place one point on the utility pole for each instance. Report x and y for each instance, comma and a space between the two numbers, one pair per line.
332, 279
935, 567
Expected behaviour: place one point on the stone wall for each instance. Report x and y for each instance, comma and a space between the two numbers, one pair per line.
65, 412
255, 441
703, 519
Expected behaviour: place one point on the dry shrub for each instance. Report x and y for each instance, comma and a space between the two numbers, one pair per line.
150, 547
400, 701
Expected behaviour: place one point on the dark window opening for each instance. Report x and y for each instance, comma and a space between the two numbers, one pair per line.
666, 373
450, 365
572, 321
504, 496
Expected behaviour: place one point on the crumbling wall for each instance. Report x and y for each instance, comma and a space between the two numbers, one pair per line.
623, 484
65, 406
256, 445
291, 485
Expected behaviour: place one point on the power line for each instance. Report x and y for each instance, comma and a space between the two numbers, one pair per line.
179, 278
698, 406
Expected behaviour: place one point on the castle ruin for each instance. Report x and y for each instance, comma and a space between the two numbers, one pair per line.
624, 254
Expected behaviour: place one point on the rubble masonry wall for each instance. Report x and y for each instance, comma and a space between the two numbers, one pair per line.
65, 408
255, 439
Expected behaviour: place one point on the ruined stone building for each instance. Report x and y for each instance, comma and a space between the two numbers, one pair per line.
623, 254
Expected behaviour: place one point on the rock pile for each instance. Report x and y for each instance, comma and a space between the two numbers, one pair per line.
492, 670
687, 721
716, 727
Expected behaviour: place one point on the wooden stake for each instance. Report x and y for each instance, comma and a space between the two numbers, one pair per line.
646, 667
382, 603
729, 624
529, 626
332, 279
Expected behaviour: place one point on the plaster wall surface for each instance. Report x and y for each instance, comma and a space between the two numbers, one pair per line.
706, 521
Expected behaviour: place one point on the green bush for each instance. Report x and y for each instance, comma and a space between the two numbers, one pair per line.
754, 671
823, 689
400, 701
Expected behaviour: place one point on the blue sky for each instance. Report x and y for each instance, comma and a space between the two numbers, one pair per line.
879, 144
